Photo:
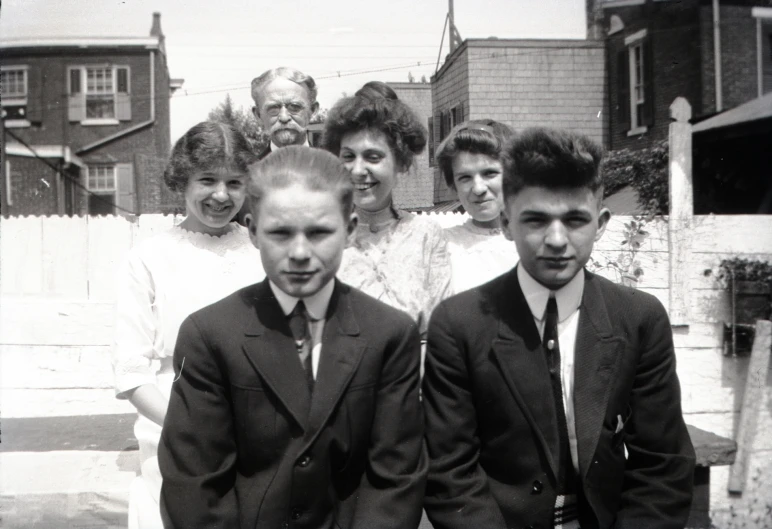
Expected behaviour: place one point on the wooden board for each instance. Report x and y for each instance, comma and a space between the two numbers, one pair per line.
752, 401
46, 322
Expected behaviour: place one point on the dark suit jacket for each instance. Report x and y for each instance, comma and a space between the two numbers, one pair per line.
490, 415
244, 444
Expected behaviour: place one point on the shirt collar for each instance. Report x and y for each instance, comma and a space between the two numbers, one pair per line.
316, 305
569, 297
275, 147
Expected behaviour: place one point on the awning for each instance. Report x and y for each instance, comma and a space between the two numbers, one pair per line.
755, 110
43, 151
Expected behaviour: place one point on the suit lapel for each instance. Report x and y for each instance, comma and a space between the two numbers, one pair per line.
524, 366
342, 351
270, 349
595, 364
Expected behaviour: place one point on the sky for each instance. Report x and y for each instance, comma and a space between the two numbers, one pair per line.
219, 46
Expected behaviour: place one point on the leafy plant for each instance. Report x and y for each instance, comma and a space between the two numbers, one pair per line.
625, 265
743, 270
645, 170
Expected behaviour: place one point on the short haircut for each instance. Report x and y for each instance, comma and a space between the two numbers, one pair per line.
404, 132
314, 169
478, 136
552, 159
207, 146
291, 74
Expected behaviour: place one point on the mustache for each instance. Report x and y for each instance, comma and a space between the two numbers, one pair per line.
287, 126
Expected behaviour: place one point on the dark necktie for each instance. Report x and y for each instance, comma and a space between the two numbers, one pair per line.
300, 325
566, 472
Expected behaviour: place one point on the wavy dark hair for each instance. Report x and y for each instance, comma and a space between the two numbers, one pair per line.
206, 146
397, 121
552, 159
478, 136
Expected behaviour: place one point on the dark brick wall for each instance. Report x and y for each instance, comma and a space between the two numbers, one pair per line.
33, 188
674, 33
49, 68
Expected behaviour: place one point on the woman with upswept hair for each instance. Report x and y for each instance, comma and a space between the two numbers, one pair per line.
398, 257
174, 273
469, 159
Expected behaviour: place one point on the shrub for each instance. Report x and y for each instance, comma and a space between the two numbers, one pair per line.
646, 170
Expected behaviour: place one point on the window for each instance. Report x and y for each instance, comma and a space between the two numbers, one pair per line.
101, 182
430, 128
635, 97
99, 94
14, 88
13, 83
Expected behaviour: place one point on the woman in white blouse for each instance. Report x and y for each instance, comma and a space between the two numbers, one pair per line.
469, 161
172, 274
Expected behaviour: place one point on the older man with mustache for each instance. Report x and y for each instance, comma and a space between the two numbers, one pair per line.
285, 100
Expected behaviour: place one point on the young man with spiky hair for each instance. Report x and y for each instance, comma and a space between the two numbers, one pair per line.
550, 393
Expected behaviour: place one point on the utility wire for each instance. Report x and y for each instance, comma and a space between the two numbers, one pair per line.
65, 175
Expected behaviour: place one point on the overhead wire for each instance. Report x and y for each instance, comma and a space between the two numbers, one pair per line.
65, 175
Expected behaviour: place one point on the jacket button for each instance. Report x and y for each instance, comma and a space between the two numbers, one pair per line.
296, 514
529, 527
304, 461
538, 486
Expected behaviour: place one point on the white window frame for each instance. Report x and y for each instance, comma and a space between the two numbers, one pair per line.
636, 79
102, 190
760, 14
84, 90
17, 100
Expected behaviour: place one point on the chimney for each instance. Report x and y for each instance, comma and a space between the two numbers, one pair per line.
594, 20
156, 31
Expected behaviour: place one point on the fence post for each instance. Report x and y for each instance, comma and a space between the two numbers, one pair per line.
681, 210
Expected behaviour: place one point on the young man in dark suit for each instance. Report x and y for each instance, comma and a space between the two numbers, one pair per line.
550, 394
296, 400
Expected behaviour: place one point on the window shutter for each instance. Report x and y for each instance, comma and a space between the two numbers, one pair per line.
461, 112
122, 80
34, 95
648, 85
430, 128
623, 89
126, 193
123, 106
437, 125
76, 101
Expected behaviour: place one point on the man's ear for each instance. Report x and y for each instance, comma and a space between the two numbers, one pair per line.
505, 226
249, 219
351, 229
314, 107
256, 112
604, 215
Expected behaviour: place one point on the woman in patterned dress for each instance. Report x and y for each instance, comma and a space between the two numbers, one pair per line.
398, 257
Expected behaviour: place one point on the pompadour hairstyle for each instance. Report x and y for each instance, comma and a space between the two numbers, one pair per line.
550, 158
314, 169
478, 136
296, 76
404, 132
209, 145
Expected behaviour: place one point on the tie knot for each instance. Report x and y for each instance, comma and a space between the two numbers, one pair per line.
552, 307
298, 321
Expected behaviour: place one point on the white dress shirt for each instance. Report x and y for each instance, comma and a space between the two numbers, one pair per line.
316, 306
568, 298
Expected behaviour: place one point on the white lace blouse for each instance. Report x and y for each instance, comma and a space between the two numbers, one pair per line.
477, 255
167, 277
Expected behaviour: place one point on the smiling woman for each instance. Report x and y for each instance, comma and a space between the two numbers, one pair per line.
172, 274
397, 257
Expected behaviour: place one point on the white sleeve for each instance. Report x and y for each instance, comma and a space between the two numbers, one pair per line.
135, 327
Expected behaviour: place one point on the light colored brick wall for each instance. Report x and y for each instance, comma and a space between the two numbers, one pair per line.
559, 84
416, 189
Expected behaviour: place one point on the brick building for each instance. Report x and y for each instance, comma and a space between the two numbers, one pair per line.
558, 83
660, 50
415, 191
86, 125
